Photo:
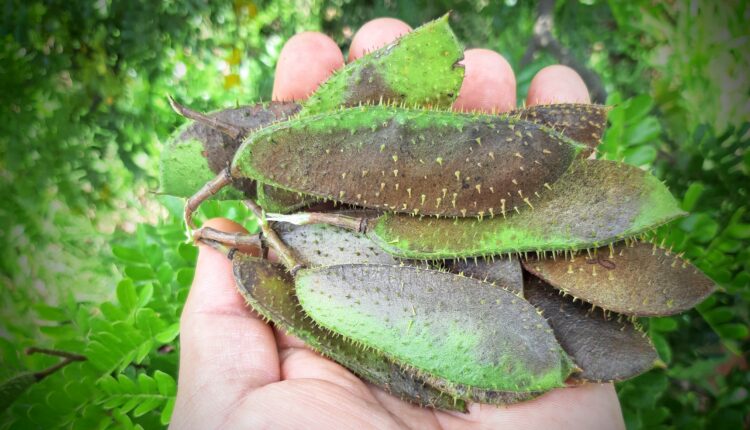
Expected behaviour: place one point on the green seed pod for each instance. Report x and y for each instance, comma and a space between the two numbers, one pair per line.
607, 346
466, 332
410, 161
196, 152
270, 291
419, 69
632, 279
12, 388
595, 203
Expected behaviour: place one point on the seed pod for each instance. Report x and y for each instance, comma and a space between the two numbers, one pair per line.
270, 291
607, 346
632, 279
419, 69
325, 245
197, 152
410, 161
463, 331
595, 203
582, 123
503, 272
279, 200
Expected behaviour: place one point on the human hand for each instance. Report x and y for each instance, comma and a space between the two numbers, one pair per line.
238, 372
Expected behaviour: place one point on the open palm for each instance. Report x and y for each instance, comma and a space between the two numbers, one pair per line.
237, 372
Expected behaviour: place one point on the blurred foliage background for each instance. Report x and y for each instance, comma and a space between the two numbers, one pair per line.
93, 262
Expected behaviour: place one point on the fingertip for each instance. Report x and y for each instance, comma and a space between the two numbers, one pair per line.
376, 34
489, 83
306, 60
213, 285
557, 84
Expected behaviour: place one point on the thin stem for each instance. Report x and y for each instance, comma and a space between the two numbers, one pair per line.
55, 352
358, 224
290, 261
230, 130
220, 238
218, 246
212, 187
52, 369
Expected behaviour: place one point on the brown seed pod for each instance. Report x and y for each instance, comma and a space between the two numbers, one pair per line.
607, 346
639, 279
504, 272
326, 245
199, 150
410, 160
583, 123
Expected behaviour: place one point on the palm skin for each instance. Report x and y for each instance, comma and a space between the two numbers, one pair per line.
237, 372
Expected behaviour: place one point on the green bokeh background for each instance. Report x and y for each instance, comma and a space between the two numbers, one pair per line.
94, 262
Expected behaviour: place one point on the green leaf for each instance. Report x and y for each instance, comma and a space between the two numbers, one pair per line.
732, 331
662, 347
665, 324
145, 295
50, 313
166, 413
127, 295
693, 193
640, 155
169, 334
140, 273
188, 252
719, 315
165, 383
185, 276
146, 406
639, 106
700, 226
127, 254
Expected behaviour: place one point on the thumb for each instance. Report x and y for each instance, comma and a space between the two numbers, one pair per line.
226, 350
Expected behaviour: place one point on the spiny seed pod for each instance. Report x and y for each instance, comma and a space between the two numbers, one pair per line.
607, 346
582, 123
501, 271
279, 200
595, 203
560, 117
270, 291
419, 69
197, 151
410, 161
391, 73
633, 279
325, 245
450, 326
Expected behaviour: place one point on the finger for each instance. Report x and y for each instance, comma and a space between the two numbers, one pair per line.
589, 406
286, 340
225, 351
306, 60
303, 363
376, 34
489, 83
557, 84
297, 403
